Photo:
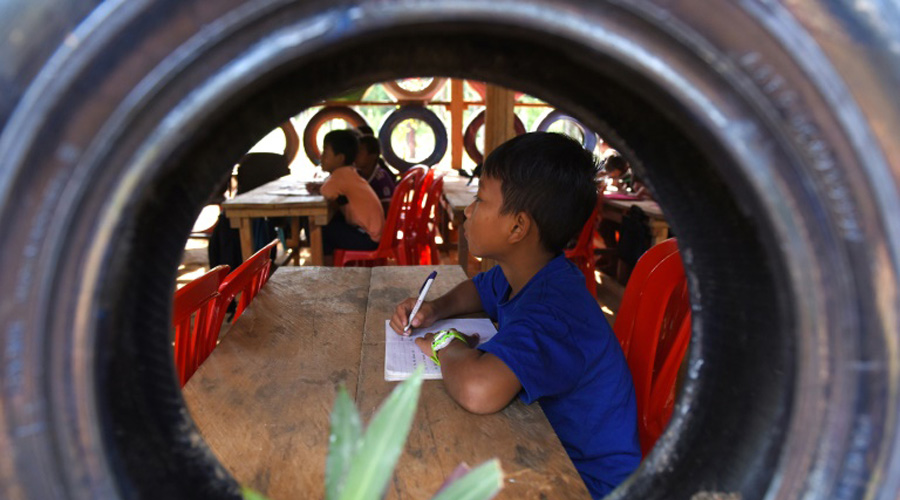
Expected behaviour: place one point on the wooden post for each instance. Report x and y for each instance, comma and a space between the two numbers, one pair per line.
499, 127
456, 123
498, 117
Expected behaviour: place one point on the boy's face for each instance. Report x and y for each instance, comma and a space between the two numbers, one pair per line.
365, 160
330, 161
486, 228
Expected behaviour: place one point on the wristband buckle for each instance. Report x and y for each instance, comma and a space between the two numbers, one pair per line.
442, 339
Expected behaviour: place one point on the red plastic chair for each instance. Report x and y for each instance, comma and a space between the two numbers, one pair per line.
195, 317
423, 176
246, 280
409, 224
582, 254
424, 225
391, 245
655, 323
628, 308
417, 172
424, 185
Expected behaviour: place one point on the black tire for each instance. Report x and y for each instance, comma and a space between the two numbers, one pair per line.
471, 145
323, 116
414, 112
767, 133
589, 138
424, 95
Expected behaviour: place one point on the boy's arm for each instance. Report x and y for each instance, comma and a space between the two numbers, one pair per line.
329, 189
463, 299
479, 381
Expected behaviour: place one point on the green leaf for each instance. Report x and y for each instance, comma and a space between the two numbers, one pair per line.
249, 494
343, 441
373, 465
480, 483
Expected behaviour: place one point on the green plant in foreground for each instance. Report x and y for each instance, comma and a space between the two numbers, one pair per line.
359, 465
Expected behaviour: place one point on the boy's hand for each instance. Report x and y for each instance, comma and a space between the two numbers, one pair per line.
426, 316
425, 342
314, 187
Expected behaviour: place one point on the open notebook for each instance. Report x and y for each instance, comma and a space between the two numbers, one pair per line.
402, 356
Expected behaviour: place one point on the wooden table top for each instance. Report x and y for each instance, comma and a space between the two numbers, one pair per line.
457, 193
650, 207
284, 193
263, 398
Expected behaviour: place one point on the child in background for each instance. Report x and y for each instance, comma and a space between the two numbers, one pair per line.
553, 343
370, 166
619, 171
359, 221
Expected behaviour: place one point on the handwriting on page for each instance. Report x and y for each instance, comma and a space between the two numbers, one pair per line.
402, 356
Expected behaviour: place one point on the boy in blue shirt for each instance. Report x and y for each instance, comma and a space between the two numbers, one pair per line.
553, 343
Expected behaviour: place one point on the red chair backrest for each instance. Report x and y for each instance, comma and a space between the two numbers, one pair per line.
582, 254
423, 232
417, 172
636, 283
194, 317
655, 321
422, 189
584, 246
247, 279
402, 207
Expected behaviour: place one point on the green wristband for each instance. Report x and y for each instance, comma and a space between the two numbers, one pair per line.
442, 339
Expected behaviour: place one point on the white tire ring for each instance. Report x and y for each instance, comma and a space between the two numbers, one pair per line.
323, 116
589, 140
469, 142
424, 95
414, 112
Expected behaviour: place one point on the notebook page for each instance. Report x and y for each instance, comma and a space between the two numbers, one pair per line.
402, 356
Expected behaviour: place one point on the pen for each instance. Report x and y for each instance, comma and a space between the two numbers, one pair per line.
422, 292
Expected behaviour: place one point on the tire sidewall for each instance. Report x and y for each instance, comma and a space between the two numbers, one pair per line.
845, 371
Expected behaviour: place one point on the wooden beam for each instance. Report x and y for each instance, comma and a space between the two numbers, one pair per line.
498, 120
456, 123
499, 127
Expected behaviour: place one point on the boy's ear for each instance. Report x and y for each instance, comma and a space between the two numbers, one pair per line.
522, 226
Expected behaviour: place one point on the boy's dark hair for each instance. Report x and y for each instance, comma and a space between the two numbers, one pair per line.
615, 162
551, 178
344, 142
365, 130
371, 144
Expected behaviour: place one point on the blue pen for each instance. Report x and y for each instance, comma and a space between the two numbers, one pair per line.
422, 292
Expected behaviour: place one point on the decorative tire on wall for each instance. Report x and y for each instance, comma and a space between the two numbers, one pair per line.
424, 95
412, 112
589, 138
469, 142
767, 132
323, 116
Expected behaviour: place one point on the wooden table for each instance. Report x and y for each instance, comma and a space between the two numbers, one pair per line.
262, 399
271, 200
614, 210
456, 197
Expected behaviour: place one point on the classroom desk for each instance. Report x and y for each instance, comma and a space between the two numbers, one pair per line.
659, 228
263, 398
456, 197
265, 201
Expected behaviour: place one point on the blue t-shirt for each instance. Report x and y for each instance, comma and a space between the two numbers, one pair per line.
554, 337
